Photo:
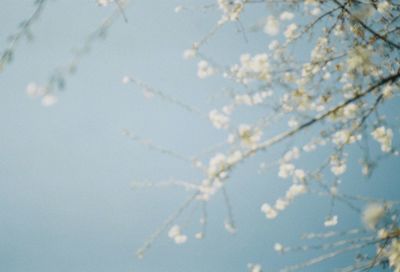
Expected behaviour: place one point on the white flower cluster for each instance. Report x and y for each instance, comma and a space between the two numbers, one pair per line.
383, 136
359, 60
103, 3
251, 68
254, 99
189, 53
297, 188
291, 31
219, 120
299, 100
254, 267
271, 26
249, 136
34, 90
217, 166
278, 247
231, 10
175, 234
373, 214
331, 221
338, 164
288, 169
282, 203
204, 69
320, 51
384, 7
394, 255
217, 171
345, 136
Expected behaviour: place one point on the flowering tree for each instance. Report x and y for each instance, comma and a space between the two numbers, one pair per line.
322, 88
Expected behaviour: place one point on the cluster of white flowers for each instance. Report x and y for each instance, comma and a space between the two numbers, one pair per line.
359, 60
291, 31
217, 166
299, 100
338, 164
178, 8
345, 136
271, 26
252, 68
249, 136
126, 79
103, 3
231, 10
384, 136
339, 30
219, 120
384, 7
350, 111
387, 91
254, 99
373, 214
47, 99
278, 247
331, 221
189, 53
288, 169
254, 267
313, 143
175, 234
286, 16
217, 172
204, 69
394, 255
281, 204
269, 211
229, 227
320, 50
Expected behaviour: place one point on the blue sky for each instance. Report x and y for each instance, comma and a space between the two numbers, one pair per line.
66, 171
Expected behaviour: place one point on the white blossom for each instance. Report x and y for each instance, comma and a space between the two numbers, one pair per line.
254, 268
218, 119
217, 165
286, 16
338, 165
272, 26
126, 79
269, 212
176, 234
273, 45
204, 69
249, 136
279, 248
290, 31
384, 6
359, 59
189, 53
384, 136
372, 215
295, 190
103, 3
331, 221
315, 11
286, 170
49, 100
394, 255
